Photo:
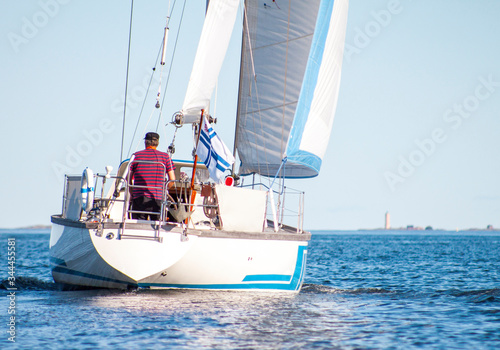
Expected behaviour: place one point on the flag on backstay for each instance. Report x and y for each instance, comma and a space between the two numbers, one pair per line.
213, 152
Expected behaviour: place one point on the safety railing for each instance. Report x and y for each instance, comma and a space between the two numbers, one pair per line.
112, 201
129, 188
289, 206
176, 204
290, 199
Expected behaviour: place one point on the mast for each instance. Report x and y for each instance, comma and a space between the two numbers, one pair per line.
126, 80
239, 86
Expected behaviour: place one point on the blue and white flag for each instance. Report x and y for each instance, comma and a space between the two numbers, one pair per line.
213, 152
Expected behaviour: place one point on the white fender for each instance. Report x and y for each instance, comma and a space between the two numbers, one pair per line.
87, 190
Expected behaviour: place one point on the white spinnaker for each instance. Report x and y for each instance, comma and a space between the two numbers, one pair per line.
214, 41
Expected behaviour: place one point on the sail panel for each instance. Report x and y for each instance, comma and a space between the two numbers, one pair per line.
290, 75
315, 112
276, 44
214, 41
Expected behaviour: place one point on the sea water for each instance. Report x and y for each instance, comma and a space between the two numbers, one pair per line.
362, 290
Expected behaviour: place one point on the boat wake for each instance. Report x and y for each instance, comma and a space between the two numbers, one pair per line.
322, 289
475, 296
478, 296
29, 283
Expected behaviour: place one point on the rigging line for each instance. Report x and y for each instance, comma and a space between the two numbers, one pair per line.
144, 102
126, 79
145, 127
249, 42
285, 82
145, 97
171, 60
283, 162
245, 70
236, 141
258, 110
281, 178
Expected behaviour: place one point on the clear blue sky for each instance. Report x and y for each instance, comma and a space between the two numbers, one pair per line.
416, 131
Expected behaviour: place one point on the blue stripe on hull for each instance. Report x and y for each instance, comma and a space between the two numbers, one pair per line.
65, 270
267, 278
293, 284
56, 261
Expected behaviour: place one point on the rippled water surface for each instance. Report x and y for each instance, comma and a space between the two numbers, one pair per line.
363, 290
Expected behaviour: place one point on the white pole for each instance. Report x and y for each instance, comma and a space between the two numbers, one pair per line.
165, 40
273, 208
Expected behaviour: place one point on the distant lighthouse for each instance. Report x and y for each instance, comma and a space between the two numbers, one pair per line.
387, 221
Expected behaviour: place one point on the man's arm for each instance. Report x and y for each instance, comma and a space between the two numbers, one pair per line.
171, 177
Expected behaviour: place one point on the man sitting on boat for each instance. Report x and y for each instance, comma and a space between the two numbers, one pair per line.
147, 171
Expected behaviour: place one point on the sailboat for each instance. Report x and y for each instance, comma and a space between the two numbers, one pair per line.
220, 231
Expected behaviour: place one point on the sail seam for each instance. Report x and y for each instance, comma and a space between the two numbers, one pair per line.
283, 42
285, 82
270, 108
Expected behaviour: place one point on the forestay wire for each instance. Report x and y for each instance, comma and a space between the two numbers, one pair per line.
126, 79
150, 83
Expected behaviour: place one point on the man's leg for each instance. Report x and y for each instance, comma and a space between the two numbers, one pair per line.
152, 205
146, 204
139, 204
156, 207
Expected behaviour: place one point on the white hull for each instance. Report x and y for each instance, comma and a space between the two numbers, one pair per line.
84, 254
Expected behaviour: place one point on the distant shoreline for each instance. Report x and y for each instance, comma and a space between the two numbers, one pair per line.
48, 227
34, 227
418, 229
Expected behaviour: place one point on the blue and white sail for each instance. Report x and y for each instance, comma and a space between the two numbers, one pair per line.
290, 77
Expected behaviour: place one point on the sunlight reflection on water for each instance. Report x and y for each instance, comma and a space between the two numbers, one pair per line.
361, 291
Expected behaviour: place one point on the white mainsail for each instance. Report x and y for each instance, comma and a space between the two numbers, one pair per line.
291, 63
214, 41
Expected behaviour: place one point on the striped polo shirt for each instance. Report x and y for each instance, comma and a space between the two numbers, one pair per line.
151, 175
